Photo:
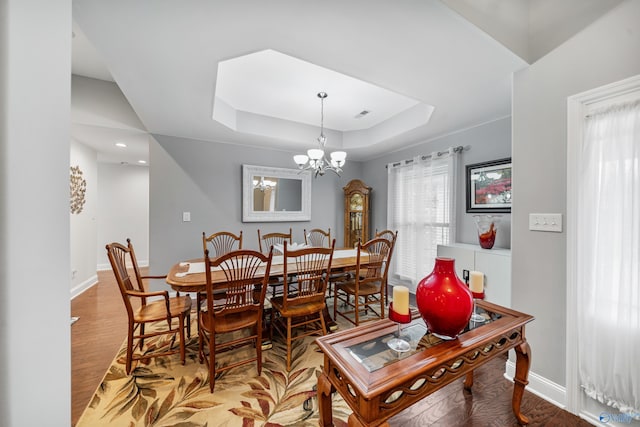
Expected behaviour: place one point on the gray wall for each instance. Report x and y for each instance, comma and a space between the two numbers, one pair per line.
605, 52
486, 142
205, 178
35, 98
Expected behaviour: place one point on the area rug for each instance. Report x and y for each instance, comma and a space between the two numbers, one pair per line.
163, 392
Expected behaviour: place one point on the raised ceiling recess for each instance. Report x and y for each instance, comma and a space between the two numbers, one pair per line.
264, 92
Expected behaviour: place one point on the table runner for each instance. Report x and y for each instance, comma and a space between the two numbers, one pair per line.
198, 267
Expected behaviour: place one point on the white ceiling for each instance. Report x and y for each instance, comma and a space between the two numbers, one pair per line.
166, 59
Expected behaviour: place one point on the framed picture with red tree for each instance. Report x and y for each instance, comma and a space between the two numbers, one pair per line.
489, 186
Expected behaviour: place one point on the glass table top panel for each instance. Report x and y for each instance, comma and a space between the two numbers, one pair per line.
376, 354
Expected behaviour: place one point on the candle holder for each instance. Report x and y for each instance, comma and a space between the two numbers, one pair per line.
475, 316
398, 344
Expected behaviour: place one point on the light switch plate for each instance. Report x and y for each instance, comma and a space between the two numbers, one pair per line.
186, 216
545, 222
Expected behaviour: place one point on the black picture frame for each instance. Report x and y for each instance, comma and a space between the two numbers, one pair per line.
489, 186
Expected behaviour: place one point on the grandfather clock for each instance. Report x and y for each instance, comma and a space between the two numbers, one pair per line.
356, 213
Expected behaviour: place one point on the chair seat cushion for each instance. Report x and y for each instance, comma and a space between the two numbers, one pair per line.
156, 310
297, 310
365, 288
230, 322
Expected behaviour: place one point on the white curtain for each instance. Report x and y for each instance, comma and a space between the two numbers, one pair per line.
420, 205
608, 258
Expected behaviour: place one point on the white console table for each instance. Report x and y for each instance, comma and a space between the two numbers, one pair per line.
495, 263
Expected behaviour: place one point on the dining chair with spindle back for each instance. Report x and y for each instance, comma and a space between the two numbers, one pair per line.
386, 234
363, 291
218, 244
318, 237
301, 306
275, 240
221, 243
241, 308
265, 241
148, 312
392, 236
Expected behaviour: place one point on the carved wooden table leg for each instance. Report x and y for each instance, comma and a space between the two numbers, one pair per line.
468, 381
523, 362
324, 401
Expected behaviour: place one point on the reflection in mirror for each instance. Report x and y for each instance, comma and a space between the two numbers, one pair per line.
275, 194
271, 194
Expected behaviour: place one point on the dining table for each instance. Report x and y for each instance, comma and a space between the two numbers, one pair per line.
189, 275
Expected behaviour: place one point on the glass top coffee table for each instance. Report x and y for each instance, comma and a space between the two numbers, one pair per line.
378, 382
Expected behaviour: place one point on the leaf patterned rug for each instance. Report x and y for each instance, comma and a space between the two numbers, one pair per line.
163, 392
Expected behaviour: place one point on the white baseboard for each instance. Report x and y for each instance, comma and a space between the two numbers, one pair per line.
593, 419
540, 386
80, 288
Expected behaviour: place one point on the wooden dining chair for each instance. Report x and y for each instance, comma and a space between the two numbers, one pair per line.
386, 234
265, 241
165, 309
220, 243
318, 237
300, 307
246, 273
389, 235
363, 291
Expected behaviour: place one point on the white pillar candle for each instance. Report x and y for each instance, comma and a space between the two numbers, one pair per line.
476, 282
401, 300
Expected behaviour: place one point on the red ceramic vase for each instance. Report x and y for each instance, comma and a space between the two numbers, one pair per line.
444, 301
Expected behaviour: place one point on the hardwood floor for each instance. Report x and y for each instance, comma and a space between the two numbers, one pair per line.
101, 329
95, 338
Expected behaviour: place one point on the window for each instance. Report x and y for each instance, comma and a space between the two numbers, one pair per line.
421, 195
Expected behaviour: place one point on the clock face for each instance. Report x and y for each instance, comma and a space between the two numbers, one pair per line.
356, 202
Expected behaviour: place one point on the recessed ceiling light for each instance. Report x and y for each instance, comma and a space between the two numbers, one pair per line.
142, 162
121, 145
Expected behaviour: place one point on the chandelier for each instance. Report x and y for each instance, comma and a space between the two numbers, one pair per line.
315, 159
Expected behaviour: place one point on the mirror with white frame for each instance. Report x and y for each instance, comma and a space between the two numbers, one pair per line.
275, 194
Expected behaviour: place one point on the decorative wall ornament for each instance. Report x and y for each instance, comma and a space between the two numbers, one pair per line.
78, 188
